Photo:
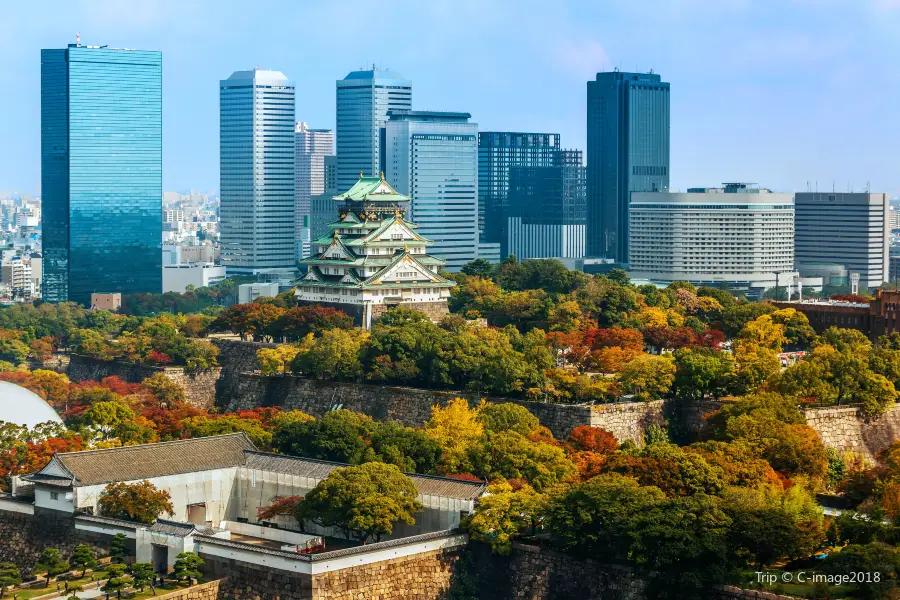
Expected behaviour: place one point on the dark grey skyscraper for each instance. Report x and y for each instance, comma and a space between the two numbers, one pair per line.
627, 151
498, 151
546, 209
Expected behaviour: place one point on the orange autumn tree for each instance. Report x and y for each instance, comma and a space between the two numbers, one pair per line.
142, 502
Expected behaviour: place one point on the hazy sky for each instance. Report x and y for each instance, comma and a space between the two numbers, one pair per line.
779, 92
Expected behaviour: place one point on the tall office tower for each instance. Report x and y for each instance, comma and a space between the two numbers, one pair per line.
101, 171
498, 152
321, 206
256, 154
311, 147
433, 157
546, 208
849, 229
627, 151
364, 98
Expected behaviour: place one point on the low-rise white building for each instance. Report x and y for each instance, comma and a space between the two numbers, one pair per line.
176, 278
738, 235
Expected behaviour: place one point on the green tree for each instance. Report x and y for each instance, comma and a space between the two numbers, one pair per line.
412, 450
681, 545
142, 575
118, 548
596, 518
106, 417
204, 426
141, 502
507, 416
187, 567
647, 377
478, 268
167, 392
702, 372
51, 563
83, 558
511, 455
363, 501
116, 580
505, 512
334, 355
869, 559
340, 435
9, 576
769, 523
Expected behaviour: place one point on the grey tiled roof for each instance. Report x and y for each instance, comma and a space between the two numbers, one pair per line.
180, 529
110, 521
49, 479
319, 469
175, 528
134, 463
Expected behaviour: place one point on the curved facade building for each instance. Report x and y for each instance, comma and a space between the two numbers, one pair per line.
23, 407
737, 235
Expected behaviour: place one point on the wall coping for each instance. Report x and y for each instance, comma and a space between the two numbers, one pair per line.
343, 552
159, 368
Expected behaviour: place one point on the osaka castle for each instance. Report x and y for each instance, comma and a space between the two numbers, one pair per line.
371, 259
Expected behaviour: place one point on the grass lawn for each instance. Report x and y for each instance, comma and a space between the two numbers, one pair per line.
30, 593
167, 587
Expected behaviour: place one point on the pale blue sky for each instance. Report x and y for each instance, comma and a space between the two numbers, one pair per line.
779, 92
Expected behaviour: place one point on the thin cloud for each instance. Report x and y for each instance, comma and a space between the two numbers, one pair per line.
581, 58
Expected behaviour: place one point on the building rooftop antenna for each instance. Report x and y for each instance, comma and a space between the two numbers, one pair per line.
77, 39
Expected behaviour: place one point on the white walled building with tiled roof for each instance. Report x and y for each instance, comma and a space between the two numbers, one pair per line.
372, 259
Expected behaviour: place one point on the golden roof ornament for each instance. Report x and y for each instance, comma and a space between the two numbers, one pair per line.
361, 175
382, 175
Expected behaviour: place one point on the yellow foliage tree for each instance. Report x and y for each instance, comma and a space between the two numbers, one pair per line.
764, 332
277, 361
456, 428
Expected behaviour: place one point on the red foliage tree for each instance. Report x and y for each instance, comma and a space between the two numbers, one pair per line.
280, 505
629, 339
593, 439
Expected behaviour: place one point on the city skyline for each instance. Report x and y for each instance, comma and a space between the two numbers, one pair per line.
760, 93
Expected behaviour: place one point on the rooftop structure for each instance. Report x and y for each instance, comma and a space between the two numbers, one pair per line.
372, 258
874, 319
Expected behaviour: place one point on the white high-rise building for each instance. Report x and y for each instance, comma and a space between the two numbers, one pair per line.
311, 147
738, 235
364, 98
849, 229
433, 157
256, 154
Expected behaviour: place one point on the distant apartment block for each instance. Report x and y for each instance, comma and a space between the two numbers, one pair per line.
846, 228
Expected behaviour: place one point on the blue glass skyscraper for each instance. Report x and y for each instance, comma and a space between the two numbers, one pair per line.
101, 171
627, 151
364, 98
433, 157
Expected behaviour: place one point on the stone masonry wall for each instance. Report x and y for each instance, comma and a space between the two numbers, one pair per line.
410, 406
23, 537
533, 573
421, 577
435, 311
205, 591
199, 385
243, 581
843, 428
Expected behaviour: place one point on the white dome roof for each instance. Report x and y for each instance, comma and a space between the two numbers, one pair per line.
24, 407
